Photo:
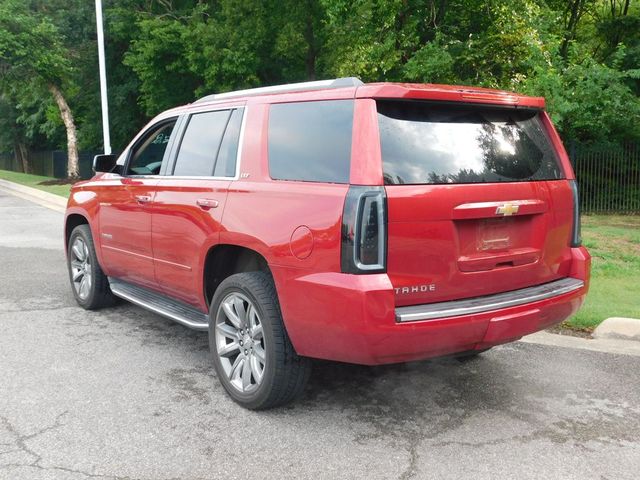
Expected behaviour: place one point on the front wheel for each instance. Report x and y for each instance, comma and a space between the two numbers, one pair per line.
252, 354
90, 284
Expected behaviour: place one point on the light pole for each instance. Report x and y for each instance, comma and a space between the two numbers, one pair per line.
103, 79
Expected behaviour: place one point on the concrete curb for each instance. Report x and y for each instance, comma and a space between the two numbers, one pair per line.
49, 200
605, 345
618, 328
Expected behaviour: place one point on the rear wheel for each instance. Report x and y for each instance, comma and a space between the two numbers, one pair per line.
252, 354
90, 285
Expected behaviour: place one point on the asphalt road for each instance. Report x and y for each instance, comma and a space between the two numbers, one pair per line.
126, 394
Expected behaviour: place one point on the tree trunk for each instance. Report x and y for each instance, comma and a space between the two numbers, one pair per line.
22, 156
442, 8
73, 170
575, 11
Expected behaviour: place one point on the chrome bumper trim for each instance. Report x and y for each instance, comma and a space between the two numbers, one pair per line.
434, 311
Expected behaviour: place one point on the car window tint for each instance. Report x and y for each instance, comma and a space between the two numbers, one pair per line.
424, 143
226, 162
200, 143
146, 158
311, 141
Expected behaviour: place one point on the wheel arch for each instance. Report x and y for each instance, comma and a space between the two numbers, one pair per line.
224, 260
77, 216
71, 221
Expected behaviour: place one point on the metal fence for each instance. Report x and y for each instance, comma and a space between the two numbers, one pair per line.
49, 163
608, 177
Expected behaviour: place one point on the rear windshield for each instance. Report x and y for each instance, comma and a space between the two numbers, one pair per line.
423, 143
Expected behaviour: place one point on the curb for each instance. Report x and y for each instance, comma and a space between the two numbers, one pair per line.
605, 345
619, 328
45, 199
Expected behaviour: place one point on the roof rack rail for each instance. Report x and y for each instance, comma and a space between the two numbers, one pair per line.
290, 87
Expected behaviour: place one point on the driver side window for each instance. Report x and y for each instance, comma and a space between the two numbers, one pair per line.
146, 157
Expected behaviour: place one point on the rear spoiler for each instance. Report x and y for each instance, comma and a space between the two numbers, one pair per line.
447, 93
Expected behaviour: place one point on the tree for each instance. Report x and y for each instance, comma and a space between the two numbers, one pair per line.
12, 134
35, 58
582, 55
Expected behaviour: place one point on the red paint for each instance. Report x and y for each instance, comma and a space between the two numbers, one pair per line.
447, 93
124, 223
442, 235
181, 230
301, 242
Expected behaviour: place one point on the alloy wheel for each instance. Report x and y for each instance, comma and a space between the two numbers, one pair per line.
240, 342
81, 268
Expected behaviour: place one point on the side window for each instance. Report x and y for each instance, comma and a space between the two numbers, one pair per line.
146, 157
311, 141
200, 143
226, 163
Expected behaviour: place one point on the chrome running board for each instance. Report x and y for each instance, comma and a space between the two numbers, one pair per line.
435, 311
160, 304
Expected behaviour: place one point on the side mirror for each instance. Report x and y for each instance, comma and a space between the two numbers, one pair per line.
104, 163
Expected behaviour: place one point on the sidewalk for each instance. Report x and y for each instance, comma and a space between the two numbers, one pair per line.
45, 199
606, 345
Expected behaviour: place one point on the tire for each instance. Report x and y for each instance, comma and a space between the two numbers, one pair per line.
89, 284
258, 366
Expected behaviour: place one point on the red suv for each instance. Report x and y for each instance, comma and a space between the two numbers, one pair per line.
363, 223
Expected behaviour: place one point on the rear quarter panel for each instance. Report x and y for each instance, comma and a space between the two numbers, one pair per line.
295, 226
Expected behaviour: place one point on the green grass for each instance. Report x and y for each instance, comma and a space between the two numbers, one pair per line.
614, 244
34, 181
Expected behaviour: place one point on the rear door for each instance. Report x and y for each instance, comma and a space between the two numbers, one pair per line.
190, 200
477, 203
125, 208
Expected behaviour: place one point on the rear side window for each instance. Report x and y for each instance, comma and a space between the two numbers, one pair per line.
210, 144
226, 163
311, 141
424, 143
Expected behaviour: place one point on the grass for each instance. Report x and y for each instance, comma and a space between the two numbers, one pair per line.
614, 244
34, 181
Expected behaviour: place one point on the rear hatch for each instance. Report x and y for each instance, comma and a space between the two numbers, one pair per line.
477, 203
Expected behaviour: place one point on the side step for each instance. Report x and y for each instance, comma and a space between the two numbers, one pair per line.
158, 303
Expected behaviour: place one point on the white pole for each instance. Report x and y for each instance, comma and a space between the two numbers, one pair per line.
103, 80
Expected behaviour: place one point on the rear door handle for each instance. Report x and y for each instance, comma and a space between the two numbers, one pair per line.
207, 203
143, 198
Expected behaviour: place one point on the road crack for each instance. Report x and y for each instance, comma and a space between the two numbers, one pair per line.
19, 444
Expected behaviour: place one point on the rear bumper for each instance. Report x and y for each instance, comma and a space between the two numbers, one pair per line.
353, 318
499, 301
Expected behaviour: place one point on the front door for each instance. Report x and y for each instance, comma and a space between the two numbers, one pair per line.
125, 211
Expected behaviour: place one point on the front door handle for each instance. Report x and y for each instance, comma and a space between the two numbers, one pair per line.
207, 203
143, 198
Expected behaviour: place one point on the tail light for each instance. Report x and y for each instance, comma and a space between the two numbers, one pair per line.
576, 238
364, 230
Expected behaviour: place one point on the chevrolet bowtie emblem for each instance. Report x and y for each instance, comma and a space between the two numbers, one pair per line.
507, 209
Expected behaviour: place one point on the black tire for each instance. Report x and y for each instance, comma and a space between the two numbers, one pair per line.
97, 294
284, 373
